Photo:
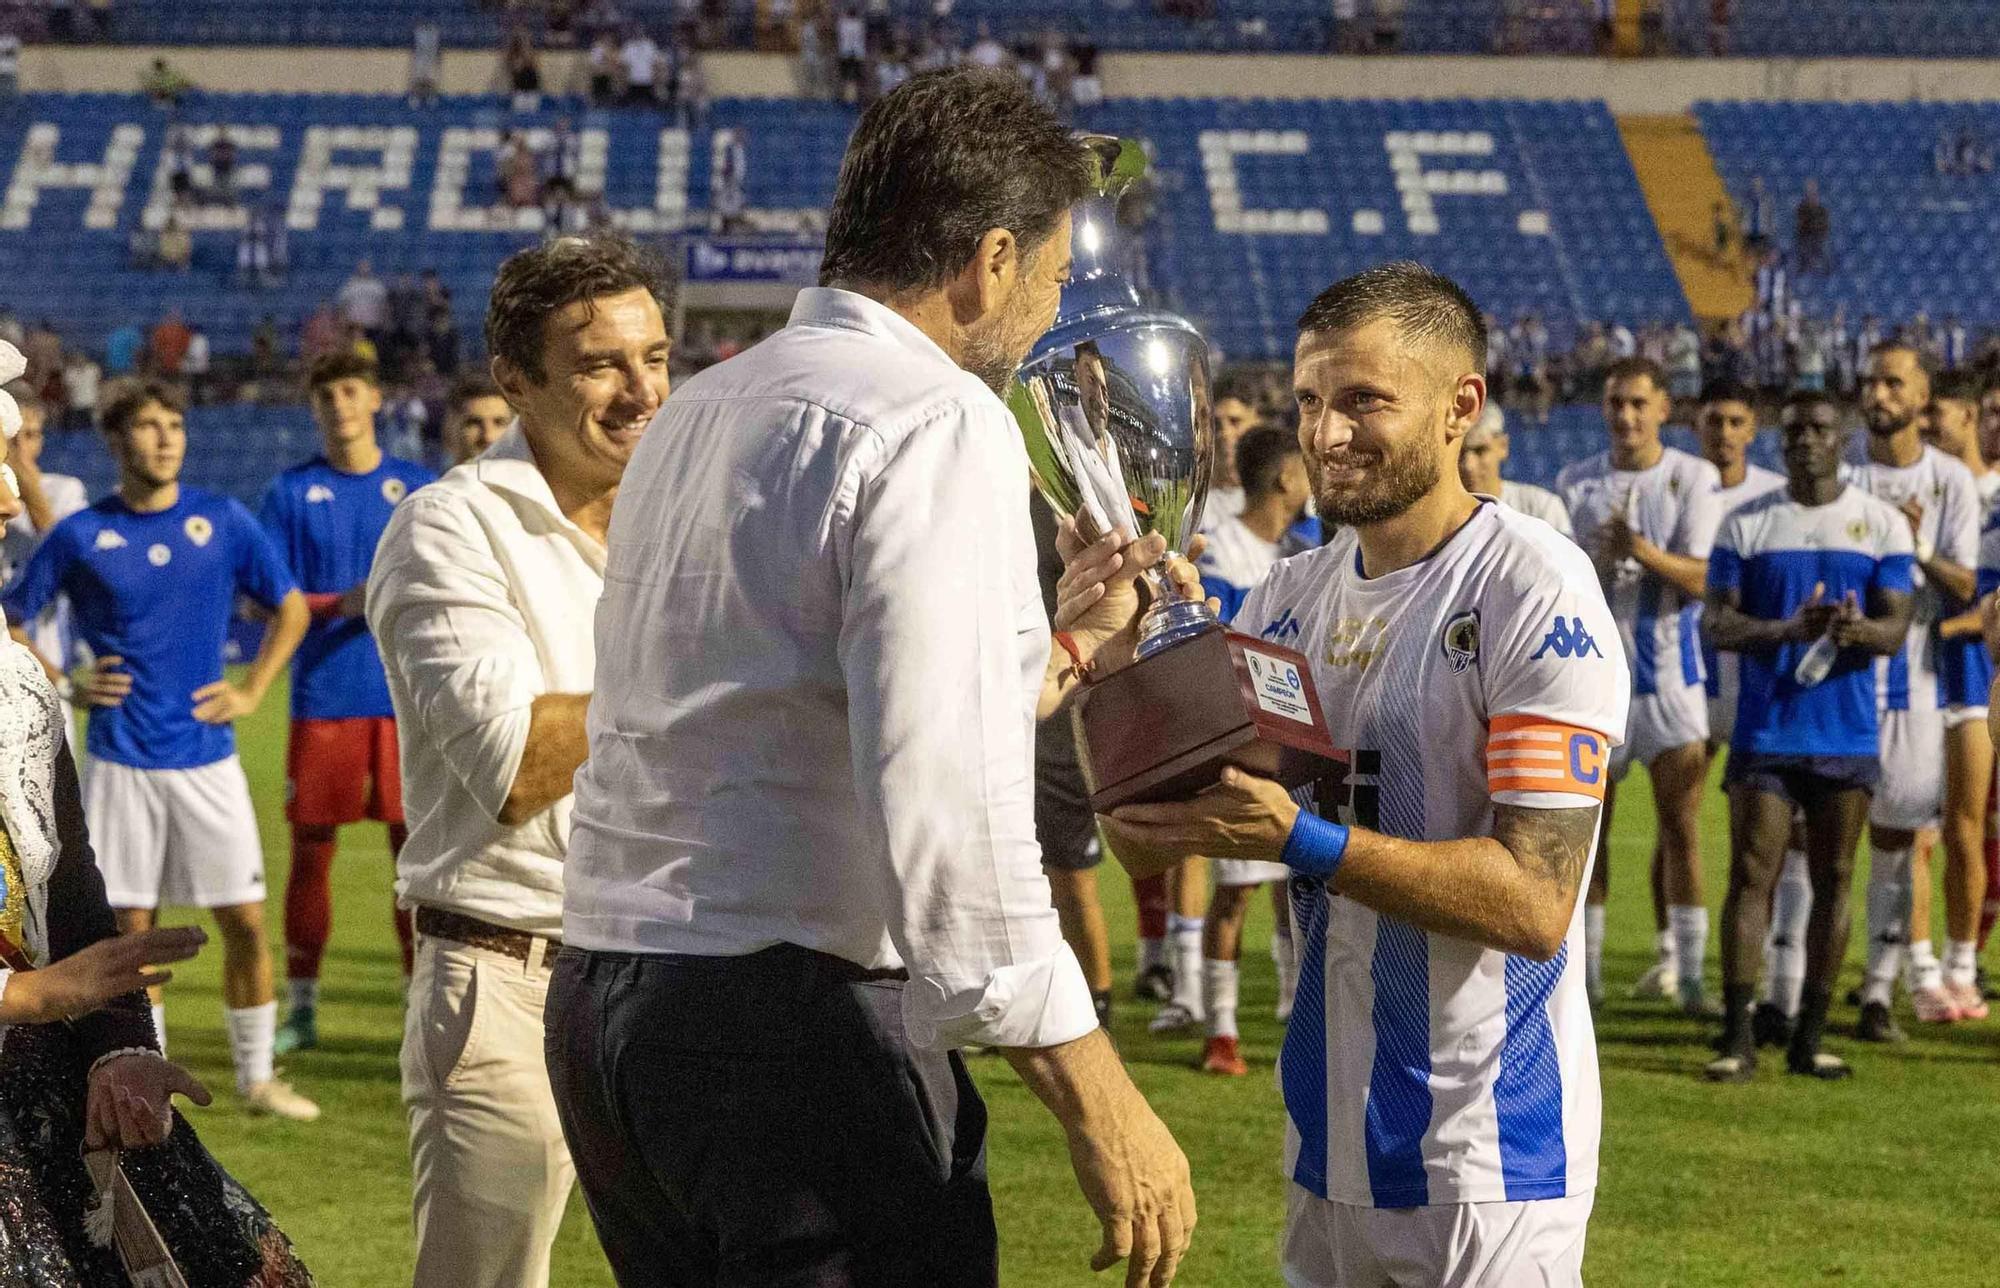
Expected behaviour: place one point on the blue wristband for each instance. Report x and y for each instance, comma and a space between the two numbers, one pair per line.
1315, 847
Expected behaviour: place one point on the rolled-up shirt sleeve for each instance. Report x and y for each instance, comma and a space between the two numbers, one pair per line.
440, 610
936, 556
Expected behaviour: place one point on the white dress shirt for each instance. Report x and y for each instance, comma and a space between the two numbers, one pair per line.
50, 632
819, 650
480, 600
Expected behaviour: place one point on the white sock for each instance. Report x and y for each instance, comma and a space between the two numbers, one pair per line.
1925, 969
1961, 962
1888, 922
1593, 948
1687, 927
160, 1026
1218, 981
1185, 932
304, 994
1152, 952
1785, 949
1665, 950
253, 1031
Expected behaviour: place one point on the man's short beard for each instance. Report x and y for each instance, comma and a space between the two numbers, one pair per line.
1406, 477
986, 358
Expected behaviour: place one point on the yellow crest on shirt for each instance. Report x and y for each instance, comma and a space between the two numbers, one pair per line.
1857, 530
198, 529
394, 490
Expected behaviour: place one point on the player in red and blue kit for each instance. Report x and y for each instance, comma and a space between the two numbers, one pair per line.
326, 517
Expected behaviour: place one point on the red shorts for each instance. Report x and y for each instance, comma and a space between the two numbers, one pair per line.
343, 771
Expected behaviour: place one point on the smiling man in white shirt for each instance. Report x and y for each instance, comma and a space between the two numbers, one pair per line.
480, 599
804, 866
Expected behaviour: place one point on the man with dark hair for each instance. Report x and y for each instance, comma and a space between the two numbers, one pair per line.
326, 517
1647, 512
153, 572
1818, 565
481, 598
1940, 500
1440, 1073
476, 414
1239, 553
804, 833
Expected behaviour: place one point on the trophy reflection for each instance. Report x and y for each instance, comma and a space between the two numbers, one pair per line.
1114, 406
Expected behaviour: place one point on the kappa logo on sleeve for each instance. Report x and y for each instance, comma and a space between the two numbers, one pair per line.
1568, 637
1282, 629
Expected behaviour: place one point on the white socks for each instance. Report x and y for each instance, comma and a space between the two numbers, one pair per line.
1593, 949
1926, 971
1219, 980
1185, 935
1665, 951
1687, 928
1785, 948
1888, 922
304, 994
160, 1026
1961, 962
253, 1030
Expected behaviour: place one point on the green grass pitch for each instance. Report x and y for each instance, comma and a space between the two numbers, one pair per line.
1879, 1180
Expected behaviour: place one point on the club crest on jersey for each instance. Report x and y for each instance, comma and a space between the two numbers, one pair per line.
1460, 640
318, 492
198, 529
158, 555
1568, 637
394, 490
108, 540
1857, 530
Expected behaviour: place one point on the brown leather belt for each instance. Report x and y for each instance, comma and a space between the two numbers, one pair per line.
474, 933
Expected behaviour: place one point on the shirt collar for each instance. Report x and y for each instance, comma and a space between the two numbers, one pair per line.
830, 306
509, 467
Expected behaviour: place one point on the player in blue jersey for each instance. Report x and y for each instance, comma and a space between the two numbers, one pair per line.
326, 517
152, 573
1821, 559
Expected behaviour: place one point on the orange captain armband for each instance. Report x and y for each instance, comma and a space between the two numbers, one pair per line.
1537, 754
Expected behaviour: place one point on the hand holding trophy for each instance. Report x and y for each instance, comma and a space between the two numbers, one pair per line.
1114, 405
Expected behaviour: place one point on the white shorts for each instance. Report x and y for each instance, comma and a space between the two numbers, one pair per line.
1247, 872
1661, 722
1536, 1244
174, 836
1911, 793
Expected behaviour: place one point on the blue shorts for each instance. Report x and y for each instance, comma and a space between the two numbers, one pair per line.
1802, 780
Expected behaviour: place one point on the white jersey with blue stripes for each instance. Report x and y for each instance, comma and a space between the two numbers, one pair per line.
1672, 504
1915, 676
1420, 1068
1233, 562
1719, 669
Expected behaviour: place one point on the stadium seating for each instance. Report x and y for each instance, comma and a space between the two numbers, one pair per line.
233, 450
1905, 239
1260, 202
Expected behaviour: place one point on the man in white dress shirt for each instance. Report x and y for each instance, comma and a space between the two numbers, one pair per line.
1480, 457
46, 499
480, 599
804, 867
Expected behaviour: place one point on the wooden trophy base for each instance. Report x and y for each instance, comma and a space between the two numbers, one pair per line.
1164, 727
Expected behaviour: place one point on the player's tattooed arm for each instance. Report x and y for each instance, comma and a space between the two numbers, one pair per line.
1552, 844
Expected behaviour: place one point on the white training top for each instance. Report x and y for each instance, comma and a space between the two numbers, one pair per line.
1719, 669
1419, 1068
1673, 504
1233, 562
1912, 678
1537, 501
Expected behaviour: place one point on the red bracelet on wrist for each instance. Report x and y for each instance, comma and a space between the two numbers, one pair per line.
1077, 666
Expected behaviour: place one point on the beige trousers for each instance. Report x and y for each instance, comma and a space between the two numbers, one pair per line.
490, 1172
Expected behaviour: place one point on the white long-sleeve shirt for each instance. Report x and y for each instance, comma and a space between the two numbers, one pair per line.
480, 600
819, 650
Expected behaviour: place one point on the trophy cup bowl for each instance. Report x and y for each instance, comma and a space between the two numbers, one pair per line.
1113, 404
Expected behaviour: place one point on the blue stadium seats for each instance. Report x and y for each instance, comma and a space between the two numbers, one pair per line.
1905, 238
1532, 205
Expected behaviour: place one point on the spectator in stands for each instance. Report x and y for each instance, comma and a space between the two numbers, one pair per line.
726, 190
1758, 216
364, 300
122, 349
1529, 342
639, 59
1683, 361
850, 45
1812, 227
1771, 284
1087, 87
518, 177
167, 346
165, 84
81, 379
176, 244
426, 63
1725, 229
1956, 344
690, 96
266, 353
222, 167
815, 78
523, 69
321, 334
196, 365
441, 344
10, 66
261, 252
42, 348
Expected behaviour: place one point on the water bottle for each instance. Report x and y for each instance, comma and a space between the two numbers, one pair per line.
1812, 668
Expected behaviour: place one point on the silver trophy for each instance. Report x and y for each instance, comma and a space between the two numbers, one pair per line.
1114, 402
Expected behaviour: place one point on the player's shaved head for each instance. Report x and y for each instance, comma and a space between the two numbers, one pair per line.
1427, 308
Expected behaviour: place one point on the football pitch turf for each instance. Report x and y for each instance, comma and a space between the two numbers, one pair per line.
1883, 1179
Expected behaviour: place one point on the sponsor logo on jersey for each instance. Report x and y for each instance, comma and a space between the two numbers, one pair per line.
1357, 641
158, 555
1567, 638
108, 540
198, 529
1460, 640
394, 490
318, 492
1282, 628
